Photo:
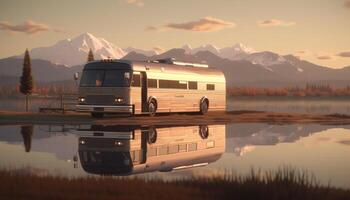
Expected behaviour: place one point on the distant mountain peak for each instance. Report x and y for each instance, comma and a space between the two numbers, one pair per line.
141, 51
243, 48
74, 51
188, 49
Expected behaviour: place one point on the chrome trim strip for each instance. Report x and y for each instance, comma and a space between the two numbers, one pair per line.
106, 109
106, 134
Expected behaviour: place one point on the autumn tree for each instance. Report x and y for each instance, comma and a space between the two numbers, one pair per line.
26, 82
90, 56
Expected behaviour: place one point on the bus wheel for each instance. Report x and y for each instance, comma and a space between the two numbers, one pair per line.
97, 115
152, 108
204, 107
204, 131
152, 135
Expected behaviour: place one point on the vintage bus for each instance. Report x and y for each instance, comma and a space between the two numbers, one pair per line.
122, 86
127, 150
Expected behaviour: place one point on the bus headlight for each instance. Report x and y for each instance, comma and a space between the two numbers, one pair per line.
118, 100
82, 142
81, 99
118, 143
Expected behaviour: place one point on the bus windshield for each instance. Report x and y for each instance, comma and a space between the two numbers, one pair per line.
105, 78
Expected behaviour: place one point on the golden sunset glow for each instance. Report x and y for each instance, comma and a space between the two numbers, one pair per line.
317, 31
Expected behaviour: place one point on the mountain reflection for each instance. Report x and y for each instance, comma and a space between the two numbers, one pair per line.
243, 138
125, 150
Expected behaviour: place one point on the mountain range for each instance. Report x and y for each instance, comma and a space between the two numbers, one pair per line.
242, 65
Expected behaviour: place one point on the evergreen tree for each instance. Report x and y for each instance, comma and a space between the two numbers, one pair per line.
90, 56
26, 83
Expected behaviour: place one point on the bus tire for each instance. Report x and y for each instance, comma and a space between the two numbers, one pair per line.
204, 106
97, 115
152, 108
204, 131
152, 135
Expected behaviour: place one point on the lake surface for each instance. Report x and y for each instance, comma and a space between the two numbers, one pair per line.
178, 152
275, 104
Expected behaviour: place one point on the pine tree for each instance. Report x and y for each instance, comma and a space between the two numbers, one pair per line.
26, 83
90, 56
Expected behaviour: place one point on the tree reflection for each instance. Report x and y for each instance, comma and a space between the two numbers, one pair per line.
27, 133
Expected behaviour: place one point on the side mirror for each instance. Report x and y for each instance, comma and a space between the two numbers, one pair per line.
76, 76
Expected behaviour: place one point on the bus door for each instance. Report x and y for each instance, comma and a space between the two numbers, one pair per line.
144, 107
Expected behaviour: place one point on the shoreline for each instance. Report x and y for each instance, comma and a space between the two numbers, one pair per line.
284, 183
21, 118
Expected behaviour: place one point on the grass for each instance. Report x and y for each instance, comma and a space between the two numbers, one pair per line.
285, 183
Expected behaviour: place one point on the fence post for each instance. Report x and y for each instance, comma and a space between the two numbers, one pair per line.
62, 106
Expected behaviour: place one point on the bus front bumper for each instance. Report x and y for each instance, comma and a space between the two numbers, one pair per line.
105, 108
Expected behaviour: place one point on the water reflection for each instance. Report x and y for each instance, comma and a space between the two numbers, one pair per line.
125, 150
27, 133
183, 151
244, 138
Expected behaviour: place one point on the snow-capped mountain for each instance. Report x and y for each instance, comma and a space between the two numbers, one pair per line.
74, 51
235, 52
188, 49
207, 47
265, 58
141, 51
240, 51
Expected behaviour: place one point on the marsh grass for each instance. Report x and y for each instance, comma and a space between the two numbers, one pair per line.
283, 183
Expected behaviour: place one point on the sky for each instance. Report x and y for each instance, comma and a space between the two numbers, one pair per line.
315, 30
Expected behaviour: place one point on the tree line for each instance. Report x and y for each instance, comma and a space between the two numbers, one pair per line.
308, 90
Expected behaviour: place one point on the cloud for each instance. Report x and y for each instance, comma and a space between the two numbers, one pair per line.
205, 24
274, 22
324, 57
28, 27
347, 4
344, 54
139, 3
151, 28
303, 52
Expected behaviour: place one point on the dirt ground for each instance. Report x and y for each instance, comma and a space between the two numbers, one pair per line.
8, 118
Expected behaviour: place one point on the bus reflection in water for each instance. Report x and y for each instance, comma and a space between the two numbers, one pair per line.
126, 150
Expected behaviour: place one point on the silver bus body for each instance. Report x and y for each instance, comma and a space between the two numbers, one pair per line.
171, 87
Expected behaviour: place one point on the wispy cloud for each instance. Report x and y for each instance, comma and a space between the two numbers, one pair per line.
205, 24
151, 28
303, 52
344, 54
28, 27
275, 22
139, 3
324, 56
347, 4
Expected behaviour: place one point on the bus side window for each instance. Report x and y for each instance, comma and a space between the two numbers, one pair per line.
136, 80
172, 84
152, 83
210, 87
192, 85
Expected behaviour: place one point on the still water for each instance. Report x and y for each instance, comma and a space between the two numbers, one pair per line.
274, 104
177, 152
